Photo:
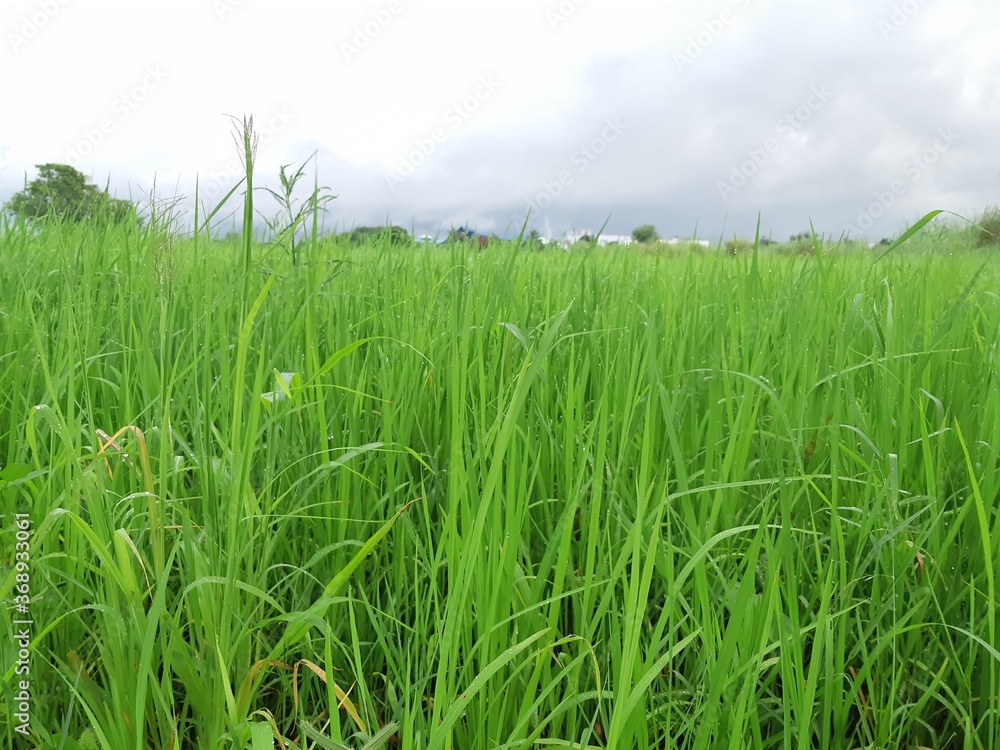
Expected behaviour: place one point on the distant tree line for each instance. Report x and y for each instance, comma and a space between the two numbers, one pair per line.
61, 192
392, 235
645, 233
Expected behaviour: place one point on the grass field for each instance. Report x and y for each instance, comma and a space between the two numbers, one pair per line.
430, 498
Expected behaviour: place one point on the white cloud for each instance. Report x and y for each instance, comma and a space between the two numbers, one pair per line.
367, 83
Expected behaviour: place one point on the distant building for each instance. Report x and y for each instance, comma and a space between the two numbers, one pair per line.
621, 239
576, 235
605, 239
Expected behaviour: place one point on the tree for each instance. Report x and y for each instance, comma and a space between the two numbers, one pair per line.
371, 235
534, 240
645, 233
62, 192
396, 236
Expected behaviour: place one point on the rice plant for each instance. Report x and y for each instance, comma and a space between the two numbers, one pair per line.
434, 498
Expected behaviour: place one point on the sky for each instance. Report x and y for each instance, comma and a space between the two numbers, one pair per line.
858, 116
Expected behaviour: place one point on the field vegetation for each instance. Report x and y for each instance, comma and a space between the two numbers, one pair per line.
405, 496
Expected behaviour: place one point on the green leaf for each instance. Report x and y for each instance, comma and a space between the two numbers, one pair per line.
261, 736
320, 740
909, 233
14, 472
338, 355
382, 737
289, 385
